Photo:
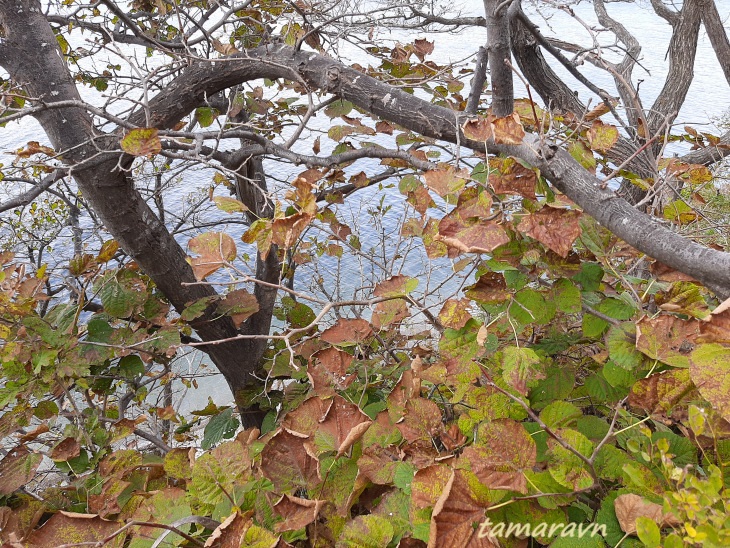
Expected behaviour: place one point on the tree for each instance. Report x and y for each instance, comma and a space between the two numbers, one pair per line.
183, 79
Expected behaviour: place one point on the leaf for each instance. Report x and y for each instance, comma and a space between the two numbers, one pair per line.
509, 176
602, 136
206, 115
661, 392
296, 512
521, 368
239, 305
366, 531
583, 155
471, 235
565, 466
422, 47
142, 142
710, 371
219, 427
446, 181
629, 507
287, 464
81, 528
508, 130
503, 450
478, 129
229, 205
621, 344
388, 312
215, 250
557, 229
395, 285
455, 314
347, 332
17, 469
339, 108
668, 339
457, 515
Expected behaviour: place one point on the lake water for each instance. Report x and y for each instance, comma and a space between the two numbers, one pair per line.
708, 99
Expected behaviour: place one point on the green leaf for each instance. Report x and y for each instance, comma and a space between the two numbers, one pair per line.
621, 343
142, 142
206, 116
566, 296
648, 532
339, 108
590, 276
131, 366
565, 466
222, 426
368, 531
710, 371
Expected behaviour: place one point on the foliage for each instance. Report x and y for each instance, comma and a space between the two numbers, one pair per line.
548, 380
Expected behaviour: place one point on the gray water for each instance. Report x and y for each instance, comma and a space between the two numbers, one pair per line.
378, 232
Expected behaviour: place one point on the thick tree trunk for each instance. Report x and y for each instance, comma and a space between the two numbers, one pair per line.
37, 63
718, 37
498, 47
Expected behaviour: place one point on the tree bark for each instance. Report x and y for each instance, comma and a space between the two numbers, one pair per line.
718, 37
498, 47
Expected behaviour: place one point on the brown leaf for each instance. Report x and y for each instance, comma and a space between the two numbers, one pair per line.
330, 369
297, 512
478, 129
428, 484
446, 180
509, 176
347, 331
422, 47
240, 305
508, 130
82, 528
395, 285
602, 136
422, 420
286, 231
667, 338
661, 392
34, 147
215, 249
489, 288
67, 449
503, 453
17, 468
630, 506
286, 462
557, 229
305, 419
224, 49
471, 235
389, 312
457, 516
345, 423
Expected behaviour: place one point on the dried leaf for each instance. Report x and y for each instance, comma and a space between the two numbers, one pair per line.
557, 229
